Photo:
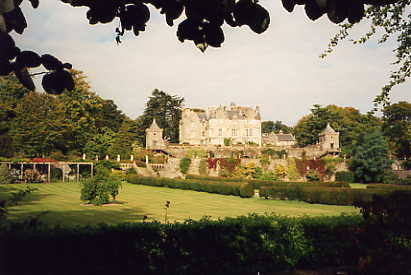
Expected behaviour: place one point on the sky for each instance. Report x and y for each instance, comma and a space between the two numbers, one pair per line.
279, 70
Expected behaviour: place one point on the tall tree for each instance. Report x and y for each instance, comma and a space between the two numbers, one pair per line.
346, 120
123, 140
80, 107
166, 109
11, 91
370, 157
397, 128
39, 128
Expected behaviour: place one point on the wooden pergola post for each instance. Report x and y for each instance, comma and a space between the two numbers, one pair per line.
91, 170
21, 171
78, 172
49, 173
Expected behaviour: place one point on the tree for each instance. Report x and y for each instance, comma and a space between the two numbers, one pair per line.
166, 110
123, 140
271, 126
97, 190
370, 157
392, 22
80, 107
38, 128
348, 121
11, 91
397, 128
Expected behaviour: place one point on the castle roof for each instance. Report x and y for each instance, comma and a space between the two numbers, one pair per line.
285, 137
154, 126
328, 130
234, 112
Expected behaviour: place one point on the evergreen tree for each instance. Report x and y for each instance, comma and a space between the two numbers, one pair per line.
166, 109
370, 157
397, 128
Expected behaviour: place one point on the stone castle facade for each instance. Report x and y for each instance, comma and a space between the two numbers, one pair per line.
221, 125
236, 125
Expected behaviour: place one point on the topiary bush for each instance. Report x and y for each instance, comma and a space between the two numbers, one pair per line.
185, 165
246, 190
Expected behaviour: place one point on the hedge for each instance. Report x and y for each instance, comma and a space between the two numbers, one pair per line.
259, 183
389, 187
319, 194
243, 245
223, 188
345, 176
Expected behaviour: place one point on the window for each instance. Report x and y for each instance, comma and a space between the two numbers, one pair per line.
248, 132
332, 145
220, 132
234, 132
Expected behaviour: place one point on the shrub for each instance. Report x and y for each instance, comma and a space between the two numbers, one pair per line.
6, 176
203, 167
344, 176
106, 164
313, 175
185, 165
389, 177
406, 180
246, 190
406, 164
227, 141
292, 172
97, 190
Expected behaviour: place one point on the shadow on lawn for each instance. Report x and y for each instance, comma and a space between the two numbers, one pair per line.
102, 214
5, 191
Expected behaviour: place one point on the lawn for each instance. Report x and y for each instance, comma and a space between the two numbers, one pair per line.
59, 203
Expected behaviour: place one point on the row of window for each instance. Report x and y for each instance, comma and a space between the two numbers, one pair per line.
236, 132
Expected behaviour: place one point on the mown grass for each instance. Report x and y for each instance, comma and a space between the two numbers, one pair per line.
59, 203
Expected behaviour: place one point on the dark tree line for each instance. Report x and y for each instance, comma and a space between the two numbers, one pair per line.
75, 122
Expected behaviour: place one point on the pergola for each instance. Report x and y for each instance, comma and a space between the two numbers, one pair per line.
34, 164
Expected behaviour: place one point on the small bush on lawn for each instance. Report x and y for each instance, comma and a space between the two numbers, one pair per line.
344, 176
246, 190
185, 165
97, 190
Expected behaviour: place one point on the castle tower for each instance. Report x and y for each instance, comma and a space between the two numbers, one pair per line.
329, 139
154, 136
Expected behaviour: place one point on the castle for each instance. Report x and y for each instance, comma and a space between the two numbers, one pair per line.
237, 125
220, 125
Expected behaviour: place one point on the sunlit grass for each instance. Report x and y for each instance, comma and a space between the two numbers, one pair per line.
60, 203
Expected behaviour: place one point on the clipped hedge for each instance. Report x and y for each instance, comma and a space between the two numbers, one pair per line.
345, 176
260, 183
319, 194
391, 187
243, 245
209, 178
223, 188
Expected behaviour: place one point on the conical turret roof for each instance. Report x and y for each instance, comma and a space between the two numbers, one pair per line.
328, 130
154, 126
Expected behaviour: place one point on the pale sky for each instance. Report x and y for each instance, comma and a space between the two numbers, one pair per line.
279, 70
